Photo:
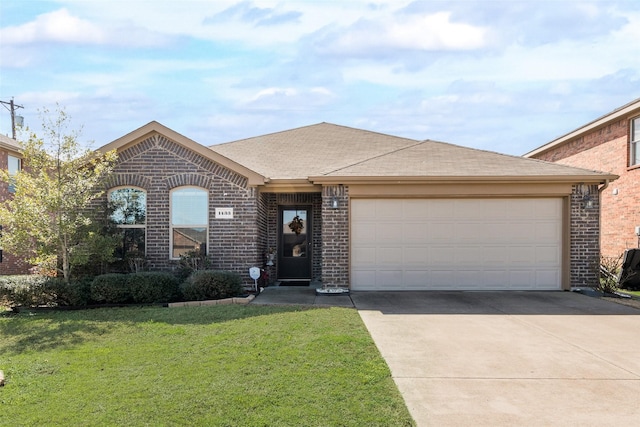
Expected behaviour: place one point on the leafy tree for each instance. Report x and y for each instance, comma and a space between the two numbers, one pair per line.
49, 221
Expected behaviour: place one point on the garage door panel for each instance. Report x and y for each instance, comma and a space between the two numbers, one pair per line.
415, 255
384, 277
547, 255
386, 255
364, 256
415, 232
456, 244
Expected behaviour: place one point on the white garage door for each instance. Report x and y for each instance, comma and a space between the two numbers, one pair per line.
461, 244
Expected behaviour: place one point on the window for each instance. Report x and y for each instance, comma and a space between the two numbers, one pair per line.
14, 164
634, 138
189, 221
129, 213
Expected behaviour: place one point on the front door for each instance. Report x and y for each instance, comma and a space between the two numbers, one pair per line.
294, 246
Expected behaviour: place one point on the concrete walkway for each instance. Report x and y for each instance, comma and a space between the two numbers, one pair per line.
501, 358
304, 295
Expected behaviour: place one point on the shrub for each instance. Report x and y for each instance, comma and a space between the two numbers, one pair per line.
150, 287
111, 288
208, 284
191, 262
36, 290
26, 291
74, 293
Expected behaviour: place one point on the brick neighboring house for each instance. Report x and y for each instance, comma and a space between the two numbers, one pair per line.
610, 143
358, 209
10, 158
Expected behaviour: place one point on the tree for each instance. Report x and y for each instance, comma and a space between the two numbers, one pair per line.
50, 220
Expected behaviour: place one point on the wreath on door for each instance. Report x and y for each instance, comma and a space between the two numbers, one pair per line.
296, 225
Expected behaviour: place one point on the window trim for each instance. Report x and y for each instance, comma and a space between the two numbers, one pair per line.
194, 225
133, 226
12, 187
634, 145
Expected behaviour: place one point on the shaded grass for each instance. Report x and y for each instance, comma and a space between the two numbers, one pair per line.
213, 366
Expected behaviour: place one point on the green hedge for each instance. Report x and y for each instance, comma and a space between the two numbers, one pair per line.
153, 287
112, 288
209, 284
36, 291
115, 288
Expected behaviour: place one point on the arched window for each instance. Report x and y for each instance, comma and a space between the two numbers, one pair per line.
189, 221
129, 213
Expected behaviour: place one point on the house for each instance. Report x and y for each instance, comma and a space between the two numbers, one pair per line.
359, 209
610, 143
10, 159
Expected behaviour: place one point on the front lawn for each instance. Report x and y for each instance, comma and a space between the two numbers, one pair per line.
210, 366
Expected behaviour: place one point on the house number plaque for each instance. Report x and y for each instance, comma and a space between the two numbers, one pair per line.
224, 213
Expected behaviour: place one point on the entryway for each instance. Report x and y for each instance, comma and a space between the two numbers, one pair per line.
294, 244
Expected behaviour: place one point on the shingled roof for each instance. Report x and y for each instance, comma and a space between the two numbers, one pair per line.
9, 144
326, 152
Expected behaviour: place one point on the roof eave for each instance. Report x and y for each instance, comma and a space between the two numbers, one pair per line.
633, 106
537, 179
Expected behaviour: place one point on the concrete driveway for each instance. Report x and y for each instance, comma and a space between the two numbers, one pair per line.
509, 358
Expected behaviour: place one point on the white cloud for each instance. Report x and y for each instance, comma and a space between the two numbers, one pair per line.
288, 98
57, 26
433, 32
62, 27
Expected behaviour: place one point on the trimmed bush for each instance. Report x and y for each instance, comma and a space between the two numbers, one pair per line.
151, 287
111, 288
75, 293
209, 284
25, 291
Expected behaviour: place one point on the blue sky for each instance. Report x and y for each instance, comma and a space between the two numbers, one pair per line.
505, 76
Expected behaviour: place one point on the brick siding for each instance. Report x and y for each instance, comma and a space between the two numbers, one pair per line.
159, 165
584, 245
335, 232
10, 264
313, 201
606, 149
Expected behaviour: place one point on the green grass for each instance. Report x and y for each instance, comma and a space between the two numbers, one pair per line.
634, 293
208, 366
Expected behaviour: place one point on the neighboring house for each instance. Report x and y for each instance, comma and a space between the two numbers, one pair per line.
359, 209
610, 143
11, 159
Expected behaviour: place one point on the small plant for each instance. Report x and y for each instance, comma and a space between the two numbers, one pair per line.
208, 284
192, 261
609, 270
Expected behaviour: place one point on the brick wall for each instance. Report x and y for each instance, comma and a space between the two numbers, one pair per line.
312, 200
612, 131
606, 149
335, 232
584, 238
159, 165
10, 264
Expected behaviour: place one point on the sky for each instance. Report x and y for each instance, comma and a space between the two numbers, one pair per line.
505, 76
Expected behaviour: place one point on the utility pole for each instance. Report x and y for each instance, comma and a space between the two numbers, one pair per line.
12, 107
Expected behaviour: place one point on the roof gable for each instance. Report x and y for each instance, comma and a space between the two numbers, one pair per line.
154, 127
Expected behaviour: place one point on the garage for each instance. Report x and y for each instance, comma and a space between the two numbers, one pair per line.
456, 244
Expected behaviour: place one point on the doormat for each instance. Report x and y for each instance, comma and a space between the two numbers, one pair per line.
295, 283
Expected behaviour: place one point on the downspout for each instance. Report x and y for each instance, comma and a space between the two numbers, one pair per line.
600, 190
